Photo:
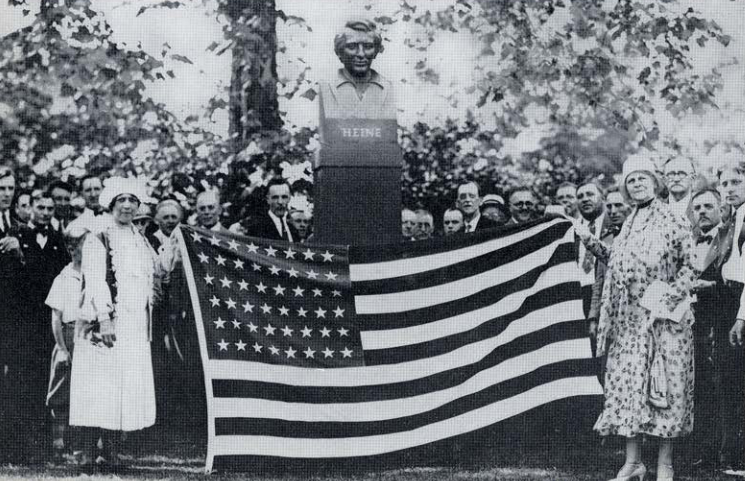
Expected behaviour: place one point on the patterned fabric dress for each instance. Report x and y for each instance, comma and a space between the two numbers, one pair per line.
112, 388
654, 244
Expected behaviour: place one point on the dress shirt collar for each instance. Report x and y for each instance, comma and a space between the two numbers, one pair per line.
471, 224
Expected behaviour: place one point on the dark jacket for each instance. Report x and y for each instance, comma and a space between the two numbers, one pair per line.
263, 226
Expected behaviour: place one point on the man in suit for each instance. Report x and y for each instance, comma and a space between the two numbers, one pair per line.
468, 201
273, 224
729, 359
591, 204
452, 222
45, 255
11, 270
617, 208
566, 196
408, 224
712, 295
425, 224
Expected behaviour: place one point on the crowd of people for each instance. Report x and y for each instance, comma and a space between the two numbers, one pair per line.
85, 272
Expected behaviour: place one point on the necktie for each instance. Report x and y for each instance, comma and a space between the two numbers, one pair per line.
705, 239
2, 222
588, 261
286, 234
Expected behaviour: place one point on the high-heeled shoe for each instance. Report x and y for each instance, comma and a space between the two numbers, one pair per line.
665, 472
630, 471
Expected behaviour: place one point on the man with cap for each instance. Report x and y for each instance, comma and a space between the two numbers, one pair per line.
468, 201
493, 208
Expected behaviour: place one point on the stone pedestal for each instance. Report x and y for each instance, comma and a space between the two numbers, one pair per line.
357, 191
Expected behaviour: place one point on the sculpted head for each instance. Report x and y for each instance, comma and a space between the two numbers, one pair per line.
357, 45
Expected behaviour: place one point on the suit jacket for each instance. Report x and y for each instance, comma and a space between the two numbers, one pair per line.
717, 306
42, 266
485, 223
11, 274
263, 226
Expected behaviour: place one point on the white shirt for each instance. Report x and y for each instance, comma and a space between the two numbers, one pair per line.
5, 221
281, 225
680, 207
470, 226
701, 249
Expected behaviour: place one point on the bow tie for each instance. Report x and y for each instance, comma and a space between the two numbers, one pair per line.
705, 238
42, 229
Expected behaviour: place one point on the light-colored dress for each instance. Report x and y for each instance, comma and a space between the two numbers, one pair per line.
654, 244
112, 388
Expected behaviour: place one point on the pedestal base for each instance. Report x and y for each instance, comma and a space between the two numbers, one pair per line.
357, 205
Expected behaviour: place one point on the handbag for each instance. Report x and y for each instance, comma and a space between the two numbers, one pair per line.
657, 392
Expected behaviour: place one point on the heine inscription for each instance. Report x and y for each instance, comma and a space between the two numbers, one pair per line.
363, 133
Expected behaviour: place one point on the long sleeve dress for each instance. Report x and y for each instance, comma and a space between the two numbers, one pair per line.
654, 244
112, 388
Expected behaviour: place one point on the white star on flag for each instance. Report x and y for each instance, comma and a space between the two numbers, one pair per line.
308, 254
275, 350
336, 293
343, 332
275, 270
215, 301
301, 312
257, 347
346, 352
298, 291
328, 353
269, 330
215, 241
252, 327
309, 353
208, 279
287, 331
261, 287
289, 253
338, 312
266, 308
219, 323
226, 282
238, 263
279, 290
252, 248
230, 303
331, 276
236, 323
233, 245
290, 352
271, 251
256, 267
284, 311
223, 345
312, 274
240, 345
248, 307
327, 256
243, 285
306, 331
317, 292
203, 258
220, 260
325, 332
292, 272
196, 237
320, 313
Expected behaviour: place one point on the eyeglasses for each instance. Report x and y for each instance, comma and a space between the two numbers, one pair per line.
522, 204
677, 174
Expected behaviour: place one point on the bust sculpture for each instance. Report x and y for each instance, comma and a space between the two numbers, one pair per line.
357, 90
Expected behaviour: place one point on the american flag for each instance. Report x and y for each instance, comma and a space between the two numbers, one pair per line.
318, 351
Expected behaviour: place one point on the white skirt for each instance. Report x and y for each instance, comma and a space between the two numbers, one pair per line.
113, 388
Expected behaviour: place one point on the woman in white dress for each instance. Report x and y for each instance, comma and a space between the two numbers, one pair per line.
111, 384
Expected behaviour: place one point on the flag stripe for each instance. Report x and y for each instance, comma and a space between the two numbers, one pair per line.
489, 329
491, 260
435, 295
376, 392
543, 293
362, 270
378, 375
371, 445
235, 407
264, 426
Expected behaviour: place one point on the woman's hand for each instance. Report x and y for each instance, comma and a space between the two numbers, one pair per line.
108, 336
735, 334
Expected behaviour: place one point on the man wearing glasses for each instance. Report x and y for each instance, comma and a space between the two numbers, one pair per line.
679, 175
523, 203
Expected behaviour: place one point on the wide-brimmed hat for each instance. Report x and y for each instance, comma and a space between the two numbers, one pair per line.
116, 186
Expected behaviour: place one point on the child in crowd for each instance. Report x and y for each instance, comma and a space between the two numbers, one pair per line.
64, 298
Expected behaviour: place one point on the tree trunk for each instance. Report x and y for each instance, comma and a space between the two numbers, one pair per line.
254, 106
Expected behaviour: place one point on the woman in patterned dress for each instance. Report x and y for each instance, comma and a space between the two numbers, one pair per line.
653, 245
112, 387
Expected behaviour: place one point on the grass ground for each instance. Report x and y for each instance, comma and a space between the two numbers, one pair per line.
180, 458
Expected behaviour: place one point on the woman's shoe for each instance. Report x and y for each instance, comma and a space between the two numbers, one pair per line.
629, 471
665, 472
